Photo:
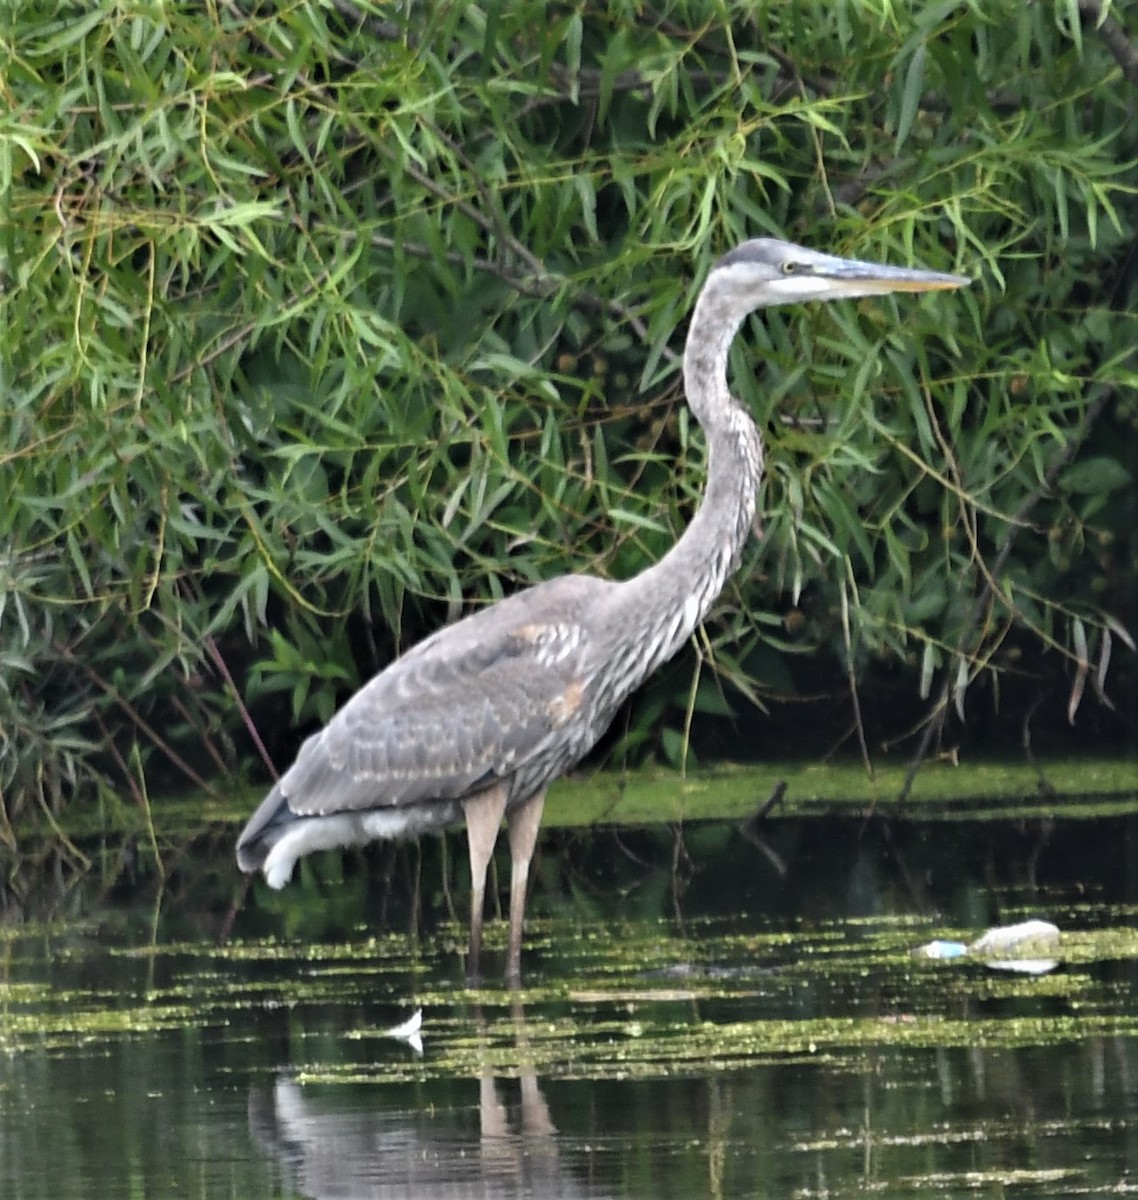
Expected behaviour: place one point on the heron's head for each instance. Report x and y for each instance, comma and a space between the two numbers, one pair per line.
766, 271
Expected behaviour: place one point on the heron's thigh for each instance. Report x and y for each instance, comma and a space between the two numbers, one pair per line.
483, 819
525, 820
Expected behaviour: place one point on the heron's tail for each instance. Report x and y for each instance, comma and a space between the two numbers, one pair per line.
261, 830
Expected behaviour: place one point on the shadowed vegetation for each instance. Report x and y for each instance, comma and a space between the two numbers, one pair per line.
322, 325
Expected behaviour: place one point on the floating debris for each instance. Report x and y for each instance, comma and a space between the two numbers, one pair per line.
941, 949
1026, 947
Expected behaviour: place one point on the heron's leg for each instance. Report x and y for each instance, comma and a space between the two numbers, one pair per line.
524, 823
483, 819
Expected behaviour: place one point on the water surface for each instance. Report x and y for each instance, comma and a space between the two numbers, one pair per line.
706, 1013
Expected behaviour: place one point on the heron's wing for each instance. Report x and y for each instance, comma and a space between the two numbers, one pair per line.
456, 712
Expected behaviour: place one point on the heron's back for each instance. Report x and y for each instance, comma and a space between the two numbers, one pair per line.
507, 695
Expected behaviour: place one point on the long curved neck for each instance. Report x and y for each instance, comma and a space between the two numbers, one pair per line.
669, 599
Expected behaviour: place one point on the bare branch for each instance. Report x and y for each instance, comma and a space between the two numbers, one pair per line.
384, 31
1116, 38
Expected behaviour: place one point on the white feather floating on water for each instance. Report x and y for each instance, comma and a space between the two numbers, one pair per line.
409, 1031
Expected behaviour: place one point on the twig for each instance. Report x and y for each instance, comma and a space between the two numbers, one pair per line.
1044, 787
237, 905
63, 839
851, 679
679, 885
934, 722
137, 788
774, 799
765, 849
384, 31
749, 829
1115, 36
136, 718
223, 670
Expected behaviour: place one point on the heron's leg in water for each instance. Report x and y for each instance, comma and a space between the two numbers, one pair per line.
483, 820
523, 824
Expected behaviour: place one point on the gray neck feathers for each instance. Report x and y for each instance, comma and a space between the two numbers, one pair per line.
664, 603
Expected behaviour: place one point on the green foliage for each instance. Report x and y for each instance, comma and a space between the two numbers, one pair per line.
323, 323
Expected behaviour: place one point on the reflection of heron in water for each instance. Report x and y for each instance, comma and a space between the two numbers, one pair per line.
475, 722
330, 1144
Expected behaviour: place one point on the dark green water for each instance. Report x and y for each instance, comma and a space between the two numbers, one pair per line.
705, 1017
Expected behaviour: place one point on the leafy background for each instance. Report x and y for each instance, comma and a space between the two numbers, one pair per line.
325, 323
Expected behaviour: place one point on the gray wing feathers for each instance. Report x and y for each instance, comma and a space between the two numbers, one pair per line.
469, 704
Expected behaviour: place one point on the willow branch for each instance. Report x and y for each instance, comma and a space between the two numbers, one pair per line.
939, 709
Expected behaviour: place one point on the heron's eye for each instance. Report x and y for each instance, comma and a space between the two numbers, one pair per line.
789, 266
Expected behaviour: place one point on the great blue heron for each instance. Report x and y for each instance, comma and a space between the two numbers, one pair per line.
475, 721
